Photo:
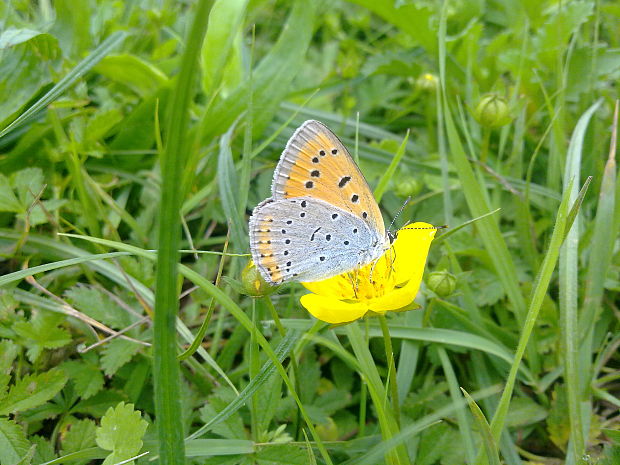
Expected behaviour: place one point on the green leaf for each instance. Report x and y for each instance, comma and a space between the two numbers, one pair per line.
271, 78
12, 36
558, 425
32, 391
98, 404
232, 427
132, 71
524, 411
8, 353
42, 332
24, 68
116, 353
8, 200
28, 184
228, 185
285, 454
44, 451
99, 306
218, 50
267, 400
76, 73
436, 445
13, 442
612, 434
488, 441
86, 377
121, 432
80, 435
389, 173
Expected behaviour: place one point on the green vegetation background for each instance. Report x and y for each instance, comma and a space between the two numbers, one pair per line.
106, 105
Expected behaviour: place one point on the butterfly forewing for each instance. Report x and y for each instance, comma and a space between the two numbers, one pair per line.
316, 164
307, 239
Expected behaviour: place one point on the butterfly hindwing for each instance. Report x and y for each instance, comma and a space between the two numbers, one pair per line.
307, 239
316, 164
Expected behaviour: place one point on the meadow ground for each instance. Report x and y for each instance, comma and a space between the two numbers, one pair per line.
136, 138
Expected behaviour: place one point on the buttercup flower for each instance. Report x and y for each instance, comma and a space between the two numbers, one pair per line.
389, 284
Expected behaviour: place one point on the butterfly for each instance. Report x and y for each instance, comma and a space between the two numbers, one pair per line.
321, 219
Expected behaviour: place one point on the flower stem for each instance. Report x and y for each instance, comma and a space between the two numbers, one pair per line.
389, 353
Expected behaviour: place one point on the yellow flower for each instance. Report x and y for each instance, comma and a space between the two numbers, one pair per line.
389, 284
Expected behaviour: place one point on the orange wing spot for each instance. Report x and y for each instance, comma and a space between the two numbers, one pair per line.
266, 258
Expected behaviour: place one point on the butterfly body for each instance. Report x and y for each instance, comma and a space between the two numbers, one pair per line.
322, 219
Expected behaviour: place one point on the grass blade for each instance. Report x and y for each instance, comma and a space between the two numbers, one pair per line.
603, 239
490, 445
464, 426
165, 363
228, 184
569, 285
21, 274
539, 291
389, 173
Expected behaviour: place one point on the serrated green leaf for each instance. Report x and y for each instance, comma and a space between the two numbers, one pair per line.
285, 454
86, 376
8, 353
309, 377
98, 404
435, 445
13, 442
121, 432
33, 390
267, 400
116, 353
97, 305
8, 200
232, 427
80, 435
28, 184
42, 332
44, 451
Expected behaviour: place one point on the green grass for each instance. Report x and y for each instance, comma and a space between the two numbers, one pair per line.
135, 139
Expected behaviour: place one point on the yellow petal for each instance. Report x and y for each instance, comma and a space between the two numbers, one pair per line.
332, 310
411, 249
398, 298
337, 286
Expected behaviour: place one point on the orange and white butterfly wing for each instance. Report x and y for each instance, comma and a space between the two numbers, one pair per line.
307, 239
316, 164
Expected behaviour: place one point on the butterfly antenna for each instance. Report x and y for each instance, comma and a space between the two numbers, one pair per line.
389, 231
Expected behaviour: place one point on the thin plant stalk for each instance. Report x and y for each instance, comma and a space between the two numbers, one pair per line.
165, 363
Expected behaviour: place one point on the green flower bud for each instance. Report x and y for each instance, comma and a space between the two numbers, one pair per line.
253, 283
492, 111
427, 82
441, 283
328, 431
408, 187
